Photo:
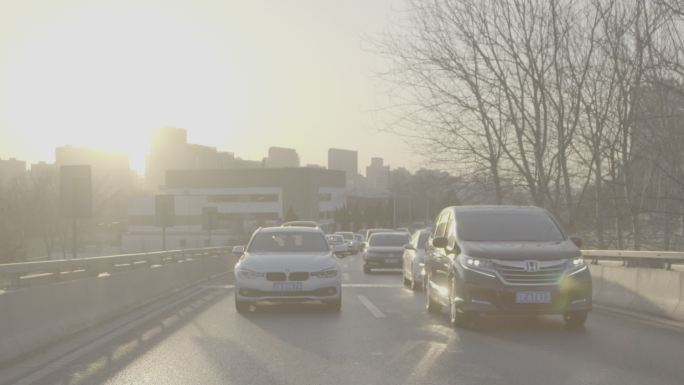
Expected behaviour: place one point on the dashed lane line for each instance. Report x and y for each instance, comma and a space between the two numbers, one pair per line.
371, 307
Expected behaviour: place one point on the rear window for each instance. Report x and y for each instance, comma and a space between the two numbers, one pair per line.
288, 242
348, 236
507, 226
335, 239
380, 239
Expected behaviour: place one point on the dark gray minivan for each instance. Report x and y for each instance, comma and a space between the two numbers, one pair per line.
505, 260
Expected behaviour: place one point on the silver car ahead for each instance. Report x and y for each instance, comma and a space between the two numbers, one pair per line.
287, 264
414, 260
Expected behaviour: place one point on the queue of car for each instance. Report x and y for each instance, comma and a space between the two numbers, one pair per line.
477, 260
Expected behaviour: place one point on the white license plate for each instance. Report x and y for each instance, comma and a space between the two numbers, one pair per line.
533, 297
287, 286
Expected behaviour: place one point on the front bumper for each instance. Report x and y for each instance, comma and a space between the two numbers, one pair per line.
481, 294
313, 289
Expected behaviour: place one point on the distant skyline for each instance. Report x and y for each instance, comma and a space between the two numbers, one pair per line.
240, 76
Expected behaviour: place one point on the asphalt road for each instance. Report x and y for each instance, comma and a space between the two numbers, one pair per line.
381, 336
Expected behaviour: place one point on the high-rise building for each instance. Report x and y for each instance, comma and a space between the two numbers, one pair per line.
377, 174
280, 157
170, 150
344, 160
11, 169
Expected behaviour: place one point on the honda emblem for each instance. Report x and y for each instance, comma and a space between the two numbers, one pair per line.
531, 266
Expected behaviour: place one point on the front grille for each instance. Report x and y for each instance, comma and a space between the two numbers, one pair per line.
299, 276
514, 273
322, 292
296, 276
276, 276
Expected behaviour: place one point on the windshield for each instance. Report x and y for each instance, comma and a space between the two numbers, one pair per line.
335, 239
288, 242
388, 240
347, 236
507, 226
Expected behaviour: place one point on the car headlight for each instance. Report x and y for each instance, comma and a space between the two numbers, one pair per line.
475, 263
479, 265
327, 273
249, 274
575, 265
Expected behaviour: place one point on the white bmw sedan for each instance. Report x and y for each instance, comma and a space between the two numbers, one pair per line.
287, 264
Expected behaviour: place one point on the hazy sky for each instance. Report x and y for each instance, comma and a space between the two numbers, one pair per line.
240, 75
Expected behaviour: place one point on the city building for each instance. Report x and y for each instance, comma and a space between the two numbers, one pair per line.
110, 169
377, 175
344, 160
280, 157
170, 150
244, 199
11, 169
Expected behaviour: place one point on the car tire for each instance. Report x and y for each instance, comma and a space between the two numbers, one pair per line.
242, 306
457, 318
413, 285
334, 305
407, 282
431, 305
575, 320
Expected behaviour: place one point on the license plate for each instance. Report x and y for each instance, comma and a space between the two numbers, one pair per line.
287, 286
533, 297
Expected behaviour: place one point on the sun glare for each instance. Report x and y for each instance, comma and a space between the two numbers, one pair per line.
105, 78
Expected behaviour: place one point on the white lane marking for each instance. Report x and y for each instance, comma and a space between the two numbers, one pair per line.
371, 285
371, 308
218, 286
345, 276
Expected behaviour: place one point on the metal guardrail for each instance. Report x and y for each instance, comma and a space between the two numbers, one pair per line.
28, 273
637, 258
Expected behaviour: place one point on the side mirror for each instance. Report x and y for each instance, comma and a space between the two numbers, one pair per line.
238, 250
440, 242
577, 241
409, 246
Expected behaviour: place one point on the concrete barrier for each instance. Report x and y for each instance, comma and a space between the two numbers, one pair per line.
678, 313
657, 292
34, 316
651, 291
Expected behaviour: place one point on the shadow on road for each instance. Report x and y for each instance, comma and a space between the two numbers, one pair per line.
99, 366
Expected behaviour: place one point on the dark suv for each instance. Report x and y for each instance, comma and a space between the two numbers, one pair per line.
505, 260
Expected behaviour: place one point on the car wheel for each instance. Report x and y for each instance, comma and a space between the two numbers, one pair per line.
430, 304
575, 320
241, 306
457, 318
407, 283
413, 285
334, 305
